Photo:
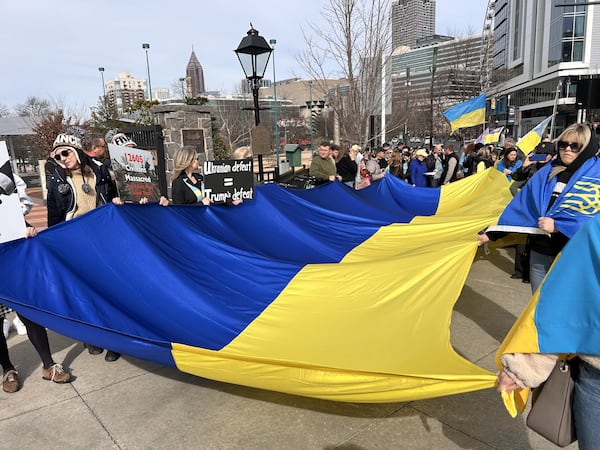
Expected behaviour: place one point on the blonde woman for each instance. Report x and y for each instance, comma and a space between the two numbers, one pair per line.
242, 153
187, 187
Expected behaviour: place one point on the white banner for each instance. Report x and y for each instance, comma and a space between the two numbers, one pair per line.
12, 223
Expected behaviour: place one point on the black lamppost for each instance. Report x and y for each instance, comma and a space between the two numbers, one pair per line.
253, 53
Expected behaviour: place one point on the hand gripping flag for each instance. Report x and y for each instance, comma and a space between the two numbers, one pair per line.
297, 291
466, 114
528, 142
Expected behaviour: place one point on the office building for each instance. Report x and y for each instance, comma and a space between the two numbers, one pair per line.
545, 54
194, 77
412, 20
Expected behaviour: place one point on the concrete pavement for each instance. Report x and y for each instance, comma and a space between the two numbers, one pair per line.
132, 404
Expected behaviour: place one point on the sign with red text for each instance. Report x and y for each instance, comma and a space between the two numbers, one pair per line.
12, 224
228, 180
135, 173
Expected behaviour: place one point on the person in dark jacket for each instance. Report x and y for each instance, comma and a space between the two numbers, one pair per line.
187, 187
450, 164
76, 185
346, 165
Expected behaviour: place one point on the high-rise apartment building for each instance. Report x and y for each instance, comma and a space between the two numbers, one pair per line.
195, 77
412, 20
544, 55
124, 89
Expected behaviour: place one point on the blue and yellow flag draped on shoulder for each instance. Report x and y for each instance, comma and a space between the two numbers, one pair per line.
563, 316
466, 114
579, 201
328, 292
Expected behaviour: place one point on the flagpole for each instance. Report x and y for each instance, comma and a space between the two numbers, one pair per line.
555, 109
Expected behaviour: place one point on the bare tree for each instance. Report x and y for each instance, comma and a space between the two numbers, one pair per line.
233, 124
354, 45
4, 111
33, 107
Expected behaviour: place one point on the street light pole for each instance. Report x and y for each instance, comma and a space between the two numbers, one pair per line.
101, 70
312, 142
404, 137
183, 90
433, 68
272, 42
146, 47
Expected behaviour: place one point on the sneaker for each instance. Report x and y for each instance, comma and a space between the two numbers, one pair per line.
19, 326
56, 373
5, 328
10, 381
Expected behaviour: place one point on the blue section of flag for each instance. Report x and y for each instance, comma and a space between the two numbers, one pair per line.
190, 274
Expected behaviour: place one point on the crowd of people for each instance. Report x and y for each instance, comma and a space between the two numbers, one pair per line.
418, 166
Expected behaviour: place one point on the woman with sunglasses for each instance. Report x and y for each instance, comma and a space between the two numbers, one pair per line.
74, 185
555, 203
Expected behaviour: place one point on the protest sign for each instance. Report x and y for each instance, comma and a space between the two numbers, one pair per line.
12, 225
229, 180
135, 173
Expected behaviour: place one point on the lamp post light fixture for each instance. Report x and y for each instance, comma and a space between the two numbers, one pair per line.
253, 54
146, 47
183, 89
272, 42
101, 70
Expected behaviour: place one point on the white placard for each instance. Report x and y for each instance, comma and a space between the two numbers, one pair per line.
12, 223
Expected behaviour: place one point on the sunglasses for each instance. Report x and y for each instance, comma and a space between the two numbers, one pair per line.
58, 156
574, 146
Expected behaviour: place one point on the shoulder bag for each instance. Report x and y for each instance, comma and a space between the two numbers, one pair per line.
551, 403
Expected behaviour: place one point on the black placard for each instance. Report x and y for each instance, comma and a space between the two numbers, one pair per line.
229, 180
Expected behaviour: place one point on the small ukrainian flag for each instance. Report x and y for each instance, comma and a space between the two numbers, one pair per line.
466, 114
528, 142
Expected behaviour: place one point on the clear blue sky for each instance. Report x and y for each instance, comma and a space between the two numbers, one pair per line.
52, 49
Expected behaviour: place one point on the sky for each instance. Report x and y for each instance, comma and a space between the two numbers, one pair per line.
52, 49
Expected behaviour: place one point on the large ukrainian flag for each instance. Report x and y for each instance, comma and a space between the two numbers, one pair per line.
466, 114
329, 292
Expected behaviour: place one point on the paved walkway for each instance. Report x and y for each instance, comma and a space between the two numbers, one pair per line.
132, 404
38, 216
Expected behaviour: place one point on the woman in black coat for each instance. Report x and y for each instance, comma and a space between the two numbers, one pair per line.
187, 187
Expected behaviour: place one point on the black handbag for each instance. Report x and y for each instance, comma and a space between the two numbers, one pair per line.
551, 404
